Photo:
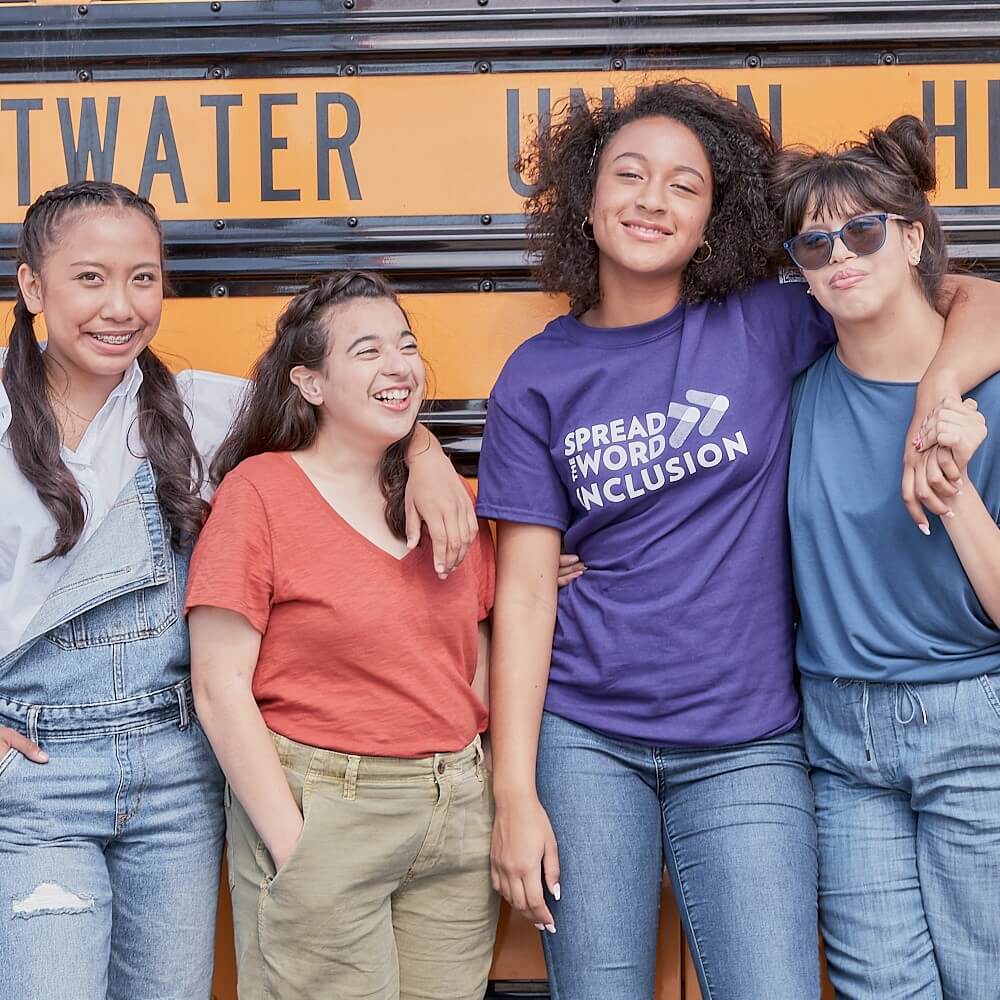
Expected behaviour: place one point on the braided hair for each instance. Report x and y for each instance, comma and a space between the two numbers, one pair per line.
34, 431
273, 415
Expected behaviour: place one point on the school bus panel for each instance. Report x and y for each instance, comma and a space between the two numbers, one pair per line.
254, 145
420, 145
465, 338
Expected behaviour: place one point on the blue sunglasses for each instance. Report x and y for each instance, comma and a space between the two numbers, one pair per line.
863, 235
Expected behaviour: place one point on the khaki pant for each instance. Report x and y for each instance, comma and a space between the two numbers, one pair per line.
387, 895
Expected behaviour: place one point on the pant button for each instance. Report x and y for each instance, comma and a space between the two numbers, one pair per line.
440, 767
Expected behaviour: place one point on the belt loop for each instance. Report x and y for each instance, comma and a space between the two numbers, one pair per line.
182, 702
351, 777
32, 725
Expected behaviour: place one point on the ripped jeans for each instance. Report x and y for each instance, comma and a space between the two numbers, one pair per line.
109, 853
907, 782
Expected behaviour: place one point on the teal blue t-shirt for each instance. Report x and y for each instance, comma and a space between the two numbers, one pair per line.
879, 601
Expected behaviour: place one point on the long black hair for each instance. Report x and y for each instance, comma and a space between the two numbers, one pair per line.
34, 430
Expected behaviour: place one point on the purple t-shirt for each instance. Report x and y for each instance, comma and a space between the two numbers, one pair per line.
661, 450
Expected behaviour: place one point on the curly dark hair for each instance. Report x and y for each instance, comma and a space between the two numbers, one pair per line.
743, 229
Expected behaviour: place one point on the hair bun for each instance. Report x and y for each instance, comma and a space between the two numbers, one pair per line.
905, 146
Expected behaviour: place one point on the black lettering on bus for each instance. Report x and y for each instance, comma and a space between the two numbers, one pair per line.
958, 129
993, 131
22, 108
161, 131
518, 184
325, 144
87, 147
269, 142
222, 103
744, 96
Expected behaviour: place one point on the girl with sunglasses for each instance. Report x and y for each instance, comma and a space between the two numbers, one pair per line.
899, 644
649, 715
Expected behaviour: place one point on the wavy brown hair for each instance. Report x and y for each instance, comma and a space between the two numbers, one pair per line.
34, 430
893, 170
743, 229
273, 415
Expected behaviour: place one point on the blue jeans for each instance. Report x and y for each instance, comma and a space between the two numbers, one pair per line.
109, 858
910, 838
735, 827
110, 852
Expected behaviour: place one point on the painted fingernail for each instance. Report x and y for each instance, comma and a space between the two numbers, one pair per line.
551, 928
539, 927
557, 892
925, 528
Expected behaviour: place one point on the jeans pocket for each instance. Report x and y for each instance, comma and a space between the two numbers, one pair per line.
990, 683
8, 759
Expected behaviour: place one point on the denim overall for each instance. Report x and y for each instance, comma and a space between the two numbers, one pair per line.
109, 853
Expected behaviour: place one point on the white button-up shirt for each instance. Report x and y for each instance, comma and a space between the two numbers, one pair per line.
104, 461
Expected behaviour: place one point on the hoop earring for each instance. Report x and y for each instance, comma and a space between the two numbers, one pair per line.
708, 247
583, 229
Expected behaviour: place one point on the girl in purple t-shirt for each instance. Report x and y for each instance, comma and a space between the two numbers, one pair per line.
648, 716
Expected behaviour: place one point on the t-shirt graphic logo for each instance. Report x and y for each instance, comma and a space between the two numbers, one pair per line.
687, 416
623, 459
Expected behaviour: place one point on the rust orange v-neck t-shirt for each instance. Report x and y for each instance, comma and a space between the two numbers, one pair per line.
361, 652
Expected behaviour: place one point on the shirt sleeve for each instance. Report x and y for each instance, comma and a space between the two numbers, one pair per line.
232, 566
212, 400
517, 478
486, 569
799, 328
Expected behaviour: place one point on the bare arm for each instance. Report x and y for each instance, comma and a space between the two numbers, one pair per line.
436, 495
976, 537
524, 618
970, 526
224, 650
969, 353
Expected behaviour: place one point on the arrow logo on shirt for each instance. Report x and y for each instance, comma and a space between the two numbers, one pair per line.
689, 415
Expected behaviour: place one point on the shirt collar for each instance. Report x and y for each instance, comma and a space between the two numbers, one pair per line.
129, 387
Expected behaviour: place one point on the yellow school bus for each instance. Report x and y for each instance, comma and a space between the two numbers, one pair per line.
284, 137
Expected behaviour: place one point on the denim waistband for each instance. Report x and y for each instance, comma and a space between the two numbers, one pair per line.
100, 718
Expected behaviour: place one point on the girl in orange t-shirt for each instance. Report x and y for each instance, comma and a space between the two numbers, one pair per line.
341, 682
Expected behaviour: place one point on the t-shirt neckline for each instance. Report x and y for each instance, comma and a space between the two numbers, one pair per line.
888, 383
344, 524
625, 336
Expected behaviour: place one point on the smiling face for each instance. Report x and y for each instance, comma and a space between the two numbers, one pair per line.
374, 380
652, 199
100, 289
856, 288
